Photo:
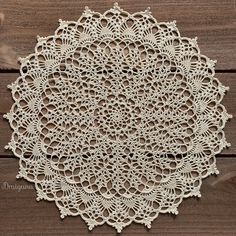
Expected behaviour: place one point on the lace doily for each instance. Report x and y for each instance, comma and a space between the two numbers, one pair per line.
117, 118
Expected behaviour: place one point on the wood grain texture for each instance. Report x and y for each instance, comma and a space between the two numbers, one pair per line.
213, 214
228, 79
213, 21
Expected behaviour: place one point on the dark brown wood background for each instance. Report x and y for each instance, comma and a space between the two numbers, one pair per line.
213, 21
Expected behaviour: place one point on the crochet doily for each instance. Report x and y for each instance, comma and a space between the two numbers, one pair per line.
117, 118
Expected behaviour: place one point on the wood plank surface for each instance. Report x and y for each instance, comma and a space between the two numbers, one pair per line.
228, 79
212, 21
214, 214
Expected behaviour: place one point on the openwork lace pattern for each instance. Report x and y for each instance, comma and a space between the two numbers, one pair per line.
117, 118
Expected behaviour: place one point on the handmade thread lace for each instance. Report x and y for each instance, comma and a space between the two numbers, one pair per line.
117, 118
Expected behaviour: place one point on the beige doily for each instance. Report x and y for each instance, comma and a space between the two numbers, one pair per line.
117, 118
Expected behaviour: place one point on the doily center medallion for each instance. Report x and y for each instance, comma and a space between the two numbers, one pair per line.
117, 118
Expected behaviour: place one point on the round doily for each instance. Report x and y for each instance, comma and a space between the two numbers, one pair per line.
117, 118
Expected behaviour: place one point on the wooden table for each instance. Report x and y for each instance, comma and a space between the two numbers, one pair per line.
214, 22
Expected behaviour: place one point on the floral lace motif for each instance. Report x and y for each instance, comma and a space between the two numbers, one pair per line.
117, 118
